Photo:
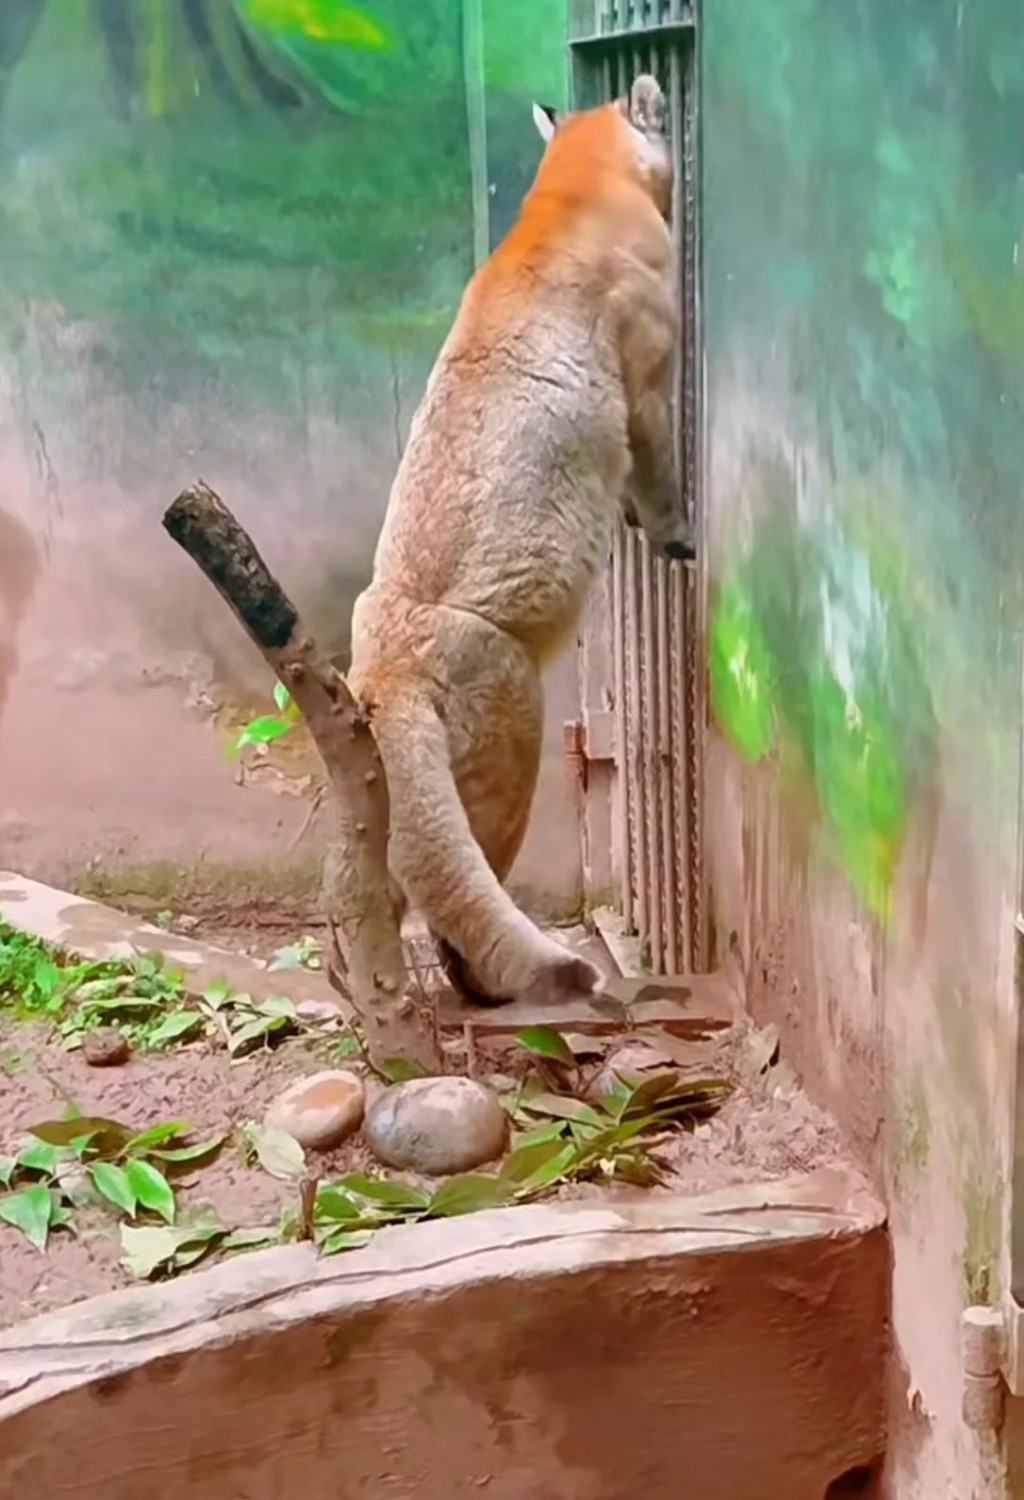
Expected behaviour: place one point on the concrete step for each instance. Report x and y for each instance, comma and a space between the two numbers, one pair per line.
724, 1347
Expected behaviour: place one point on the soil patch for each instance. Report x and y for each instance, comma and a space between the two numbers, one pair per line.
758, 1135
765, 1131
41, 1079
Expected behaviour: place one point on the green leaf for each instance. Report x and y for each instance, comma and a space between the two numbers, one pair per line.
277, 1005
282, 697
80, 1144
39, 1156
525, 1162
468, 1193
400, 1070
149, 1248
680, 1098
562, 1109
555, 1169
254, 1238
178, 1155
554, 1130
215, 995
156, 1135
7, 1167
345, 1239
113, 1183
263, 731
642, 1099
278, 1153
543, 1041
152, 1189
333, 1204
380, 1190
30, 1210
254, 1031
174, 1026
294, 956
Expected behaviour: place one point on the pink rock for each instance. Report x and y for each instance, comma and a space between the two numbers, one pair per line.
321, 1110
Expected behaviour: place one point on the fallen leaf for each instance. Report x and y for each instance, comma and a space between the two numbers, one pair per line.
151, 1188
149, 1248
468, 1193
278, 1152
31, 1210
544, 1041
112, 1182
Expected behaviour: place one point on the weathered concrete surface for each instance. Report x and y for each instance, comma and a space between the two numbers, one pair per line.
726, 1347
695, 1006
109, 762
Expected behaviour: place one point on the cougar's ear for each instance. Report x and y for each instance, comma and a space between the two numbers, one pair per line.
546, 120
647, 106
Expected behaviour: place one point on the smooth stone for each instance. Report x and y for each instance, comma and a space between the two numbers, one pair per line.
321, 1110
437, 1126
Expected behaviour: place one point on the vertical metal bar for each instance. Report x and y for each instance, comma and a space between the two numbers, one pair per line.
652, 767
669, 887
620, 810
476, 126
636, 738
696, 582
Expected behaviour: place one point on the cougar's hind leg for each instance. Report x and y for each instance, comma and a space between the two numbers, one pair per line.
437, 859
496, 775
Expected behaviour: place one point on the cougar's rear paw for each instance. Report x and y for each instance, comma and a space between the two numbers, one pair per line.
567, 978
460, 976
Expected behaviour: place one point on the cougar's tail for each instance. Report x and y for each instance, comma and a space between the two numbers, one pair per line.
445, 874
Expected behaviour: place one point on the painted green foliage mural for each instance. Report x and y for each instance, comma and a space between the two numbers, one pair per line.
863, 169
247, 191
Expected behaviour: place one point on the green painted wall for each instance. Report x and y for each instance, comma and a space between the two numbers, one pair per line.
247, 209
864, 319
865, 329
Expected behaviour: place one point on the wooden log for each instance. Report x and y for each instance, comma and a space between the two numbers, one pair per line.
396, 1017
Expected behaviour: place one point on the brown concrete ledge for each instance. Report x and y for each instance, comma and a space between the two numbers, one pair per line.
724, 1347
693, 1006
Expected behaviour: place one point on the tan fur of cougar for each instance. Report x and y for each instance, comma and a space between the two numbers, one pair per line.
548, 408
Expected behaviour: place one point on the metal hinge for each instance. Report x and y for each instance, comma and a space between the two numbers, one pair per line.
589, 740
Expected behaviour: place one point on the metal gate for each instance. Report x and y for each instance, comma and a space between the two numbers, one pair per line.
641, 653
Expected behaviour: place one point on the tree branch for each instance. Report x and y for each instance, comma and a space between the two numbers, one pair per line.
397, 1018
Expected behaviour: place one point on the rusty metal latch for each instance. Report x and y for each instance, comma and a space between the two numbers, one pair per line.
588, 740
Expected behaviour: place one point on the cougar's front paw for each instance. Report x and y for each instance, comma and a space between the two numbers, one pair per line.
681, 546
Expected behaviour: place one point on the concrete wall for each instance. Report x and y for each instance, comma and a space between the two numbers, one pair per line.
865, 332
230, 245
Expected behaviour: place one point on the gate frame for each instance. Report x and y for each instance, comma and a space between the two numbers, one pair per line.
643, 692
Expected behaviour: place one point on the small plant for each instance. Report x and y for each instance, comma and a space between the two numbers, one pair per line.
70, 1163
266, 728
244, 1022
143, 998
39, 982
305, 954
139, 996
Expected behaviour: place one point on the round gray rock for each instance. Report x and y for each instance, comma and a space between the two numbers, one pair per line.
436, 1125
321, 1110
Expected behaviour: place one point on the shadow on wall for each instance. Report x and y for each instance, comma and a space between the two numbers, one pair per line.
232, 238
19, 575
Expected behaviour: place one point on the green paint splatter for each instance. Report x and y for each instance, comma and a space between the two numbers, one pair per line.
742, 681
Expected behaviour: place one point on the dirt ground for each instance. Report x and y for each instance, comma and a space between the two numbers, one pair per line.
758, 1135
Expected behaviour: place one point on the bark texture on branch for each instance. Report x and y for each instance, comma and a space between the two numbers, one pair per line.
396, 1017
